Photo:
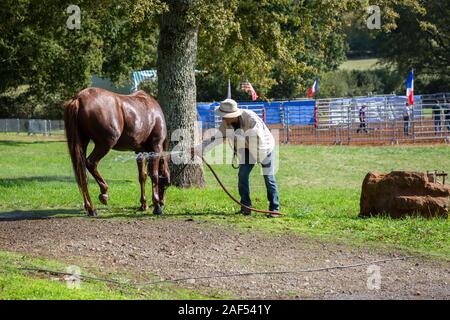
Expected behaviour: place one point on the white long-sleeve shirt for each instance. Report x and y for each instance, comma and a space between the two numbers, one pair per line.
253, 135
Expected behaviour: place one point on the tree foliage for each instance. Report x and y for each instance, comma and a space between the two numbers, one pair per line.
38, 49
421, 41
356, 83
278, 45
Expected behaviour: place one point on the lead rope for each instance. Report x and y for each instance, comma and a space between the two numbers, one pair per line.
231, 196
225, 189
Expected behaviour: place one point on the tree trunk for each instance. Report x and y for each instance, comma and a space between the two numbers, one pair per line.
177, 50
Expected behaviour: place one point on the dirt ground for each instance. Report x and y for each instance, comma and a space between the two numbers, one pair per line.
178, 248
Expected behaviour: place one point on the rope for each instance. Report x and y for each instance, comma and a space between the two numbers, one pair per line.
229, 275
179, 172
220, 183
231, 196
148, 155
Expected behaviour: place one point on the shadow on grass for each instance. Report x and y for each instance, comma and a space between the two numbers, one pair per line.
19, 181
103, 213
19, 143
134, 213
25, 180
16, 215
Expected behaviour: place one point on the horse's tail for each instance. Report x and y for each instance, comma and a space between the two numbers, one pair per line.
74, 142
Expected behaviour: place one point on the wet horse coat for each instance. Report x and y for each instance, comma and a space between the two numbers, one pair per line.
122, 122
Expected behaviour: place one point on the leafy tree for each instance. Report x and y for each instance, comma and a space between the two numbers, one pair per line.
421, 41
275, 44
355, 83
37, 48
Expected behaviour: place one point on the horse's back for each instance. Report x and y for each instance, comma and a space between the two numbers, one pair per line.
126, 122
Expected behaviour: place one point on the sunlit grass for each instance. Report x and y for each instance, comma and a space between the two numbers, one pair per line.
17, 283
359, 64
319, 191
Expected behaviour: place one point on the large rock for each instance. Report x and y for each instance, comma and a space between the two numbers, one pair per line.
402, 193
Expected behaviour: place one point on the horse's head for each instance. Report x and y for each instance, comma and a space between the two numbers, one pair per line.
164, 182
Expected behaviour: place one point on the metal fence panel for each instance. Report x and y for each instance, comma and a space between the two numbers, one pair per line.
31, 126
382, 120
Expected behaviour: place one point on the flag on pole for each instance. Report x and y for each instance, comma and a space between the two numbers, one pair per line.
410, 88
247, 87
314, 88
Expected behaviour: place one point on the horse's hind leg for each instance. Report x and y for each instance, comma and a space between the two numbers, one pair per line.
92, 162
141, 163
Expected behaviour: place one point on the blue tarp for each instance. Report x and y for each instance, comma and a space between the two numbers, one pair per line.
298, 113
207, 117
273, 113
206, 114
258, 107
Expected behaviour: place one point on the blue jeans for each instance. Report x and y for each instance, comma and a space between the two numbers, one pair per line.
269, 179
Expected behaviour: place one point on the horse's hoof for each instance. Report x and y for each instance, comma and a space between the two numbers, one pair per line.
143, 207
92, 213
103, 198
158, 211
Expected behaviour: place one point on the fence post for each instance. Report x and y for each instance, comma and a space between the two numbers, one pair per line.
287, 126
316, 119
394, 126
349, 121
413, 123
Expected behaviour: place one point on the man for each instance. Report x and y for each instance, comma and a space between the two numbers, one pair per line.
362, 120
253, 143
406, 118
446, 107
437, 117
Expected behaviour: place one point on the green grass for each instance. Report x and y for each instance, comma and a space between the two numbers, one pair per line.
16, 283
359, 64
319, 191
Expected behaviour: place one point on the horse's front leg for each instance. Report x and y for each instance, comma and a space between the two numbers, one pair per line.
164, 179
141, 164
154, 173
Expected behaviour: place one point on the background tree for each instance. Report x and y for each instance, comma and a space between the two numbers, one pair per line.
39, 51
278, 45
421, 41
177, 51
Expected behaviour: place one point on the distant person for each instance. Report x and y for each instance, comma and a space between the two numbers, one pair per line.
406, 119
362, 120
437, 117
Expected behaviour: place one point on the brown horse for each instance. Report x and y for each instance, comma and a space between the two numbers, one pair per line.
112, 121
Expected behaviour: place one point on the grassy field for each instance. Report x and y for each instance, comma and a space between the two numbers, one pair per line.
359, 64
319, 191
18, 284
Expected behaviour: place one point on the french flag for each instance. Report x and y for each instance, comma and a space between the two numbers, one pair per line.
410, 88
313, 89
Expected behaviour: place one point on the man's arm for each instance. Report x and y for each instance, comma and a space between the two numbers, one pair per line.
208, 144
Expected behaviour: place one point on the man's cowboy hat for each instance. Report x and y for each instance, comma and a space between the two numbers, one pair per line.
228, 109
